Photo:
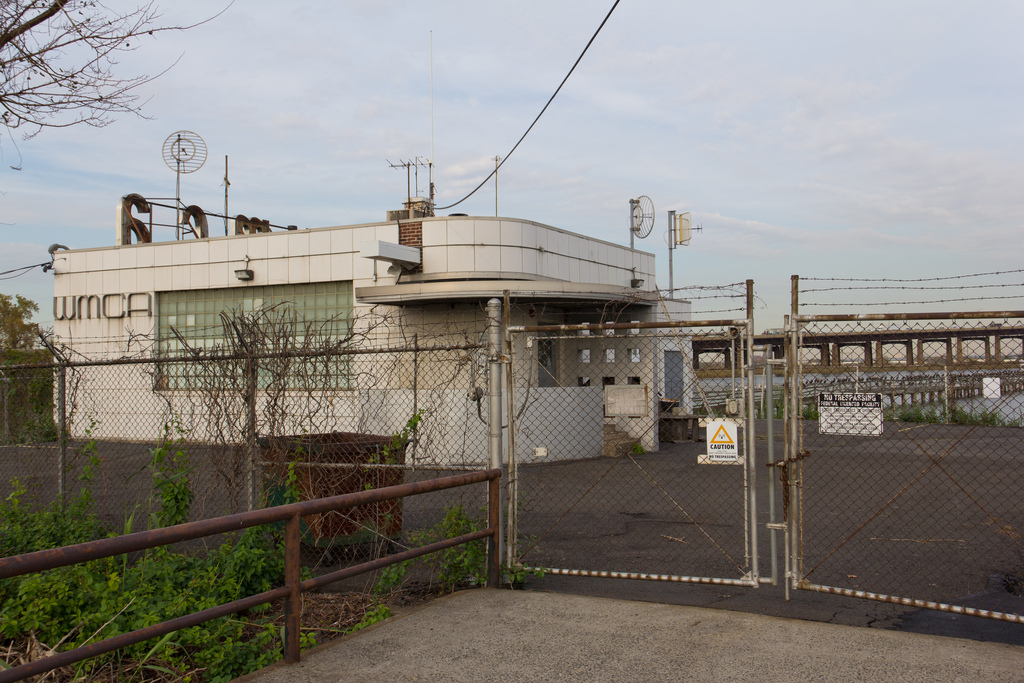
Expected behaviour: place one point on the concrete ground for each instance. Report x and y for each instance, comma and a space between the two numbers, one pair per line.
502, 635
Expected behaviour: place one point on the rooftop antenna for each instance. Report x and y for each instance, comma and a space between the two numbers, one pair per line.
641, 217
431, 118
680, 231
227, 184
183, 152
641, 220
411, 166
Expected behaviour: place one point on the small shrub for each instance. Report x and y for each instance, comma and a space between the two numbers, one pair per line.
372, 616
464, 564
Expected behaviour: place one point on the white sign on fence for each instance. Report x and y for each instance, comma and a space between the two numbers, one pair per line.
723, 443
992, 387
629, 400
850, 414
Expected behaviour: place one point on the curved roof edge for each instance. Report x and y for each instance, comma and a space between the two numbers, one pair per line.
473, 290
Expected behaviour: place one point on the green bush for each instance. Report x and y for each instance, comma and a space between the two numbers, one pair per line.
957, 416
27, 396
987, 418
464, 564
915, 413
74, 605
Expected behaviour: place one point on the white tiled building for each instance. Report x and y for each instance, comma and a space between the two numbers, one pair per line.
123, 300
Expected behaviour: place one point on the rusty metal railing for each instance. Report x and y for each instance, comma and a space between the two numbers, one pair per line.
291, 514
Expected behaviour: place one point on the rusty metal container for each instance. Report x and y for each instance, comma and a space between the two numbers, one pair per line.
334, 464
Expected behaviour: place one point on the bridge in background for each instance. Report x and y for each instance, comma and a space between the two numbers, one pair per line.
881, 348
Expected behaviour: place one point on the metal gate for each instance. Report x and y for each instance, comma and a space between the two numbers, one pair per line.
610, 473
904, 457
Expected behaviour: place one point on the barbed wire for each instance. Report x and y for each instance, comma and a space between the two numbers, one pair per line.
733, 289
913, 303
694, 314
922, 279
725, 286
901, 288
701, 298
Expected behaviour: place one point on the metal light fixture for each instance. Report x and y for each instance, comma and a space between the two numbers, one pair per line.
244, 274
636, 282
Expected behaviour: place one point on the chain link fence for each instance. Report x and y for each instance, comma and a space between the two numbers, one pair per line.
610, 475
905, 460
248, 430
901, 479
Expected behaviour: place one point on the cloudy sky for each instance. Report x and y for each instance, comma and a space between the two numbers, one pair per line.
854, 140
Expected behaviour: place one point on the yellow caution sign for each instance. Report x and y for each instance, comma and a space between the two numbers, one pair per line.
722, 437
722, 442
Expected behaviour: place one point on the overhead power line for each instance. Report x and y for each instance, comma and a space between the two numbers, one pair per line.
20, 271
552, 99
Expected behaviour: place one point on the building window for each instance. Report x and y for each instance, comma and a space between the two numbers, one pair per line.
288, 316
609, 355
583, 355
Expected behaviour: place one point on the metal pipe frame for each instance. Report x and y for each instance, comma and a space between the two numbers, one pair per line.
494, 413
62, 433
856, 317
626, 326
211, 358
769, 400
381, 562
671, 578
794, 527
751, 464
912, 602
291, 514
792, 439
382, 466
753, 579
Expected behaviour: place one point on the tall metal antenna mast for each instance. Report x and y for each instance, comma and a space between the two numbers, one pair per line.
227, 184
431, 118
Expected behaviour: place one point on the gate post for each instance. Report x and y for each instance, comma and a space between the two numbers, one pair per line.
250, 431
751, 427
62, 434
793, 440
494, 413
62, 416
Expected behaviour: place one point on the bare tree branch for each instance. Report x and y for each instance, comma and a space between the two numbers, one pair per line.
59, 62
12, 33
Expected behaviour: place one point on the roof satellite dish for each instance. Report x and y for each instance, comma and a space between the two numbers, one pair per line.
641, 217
183, 152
